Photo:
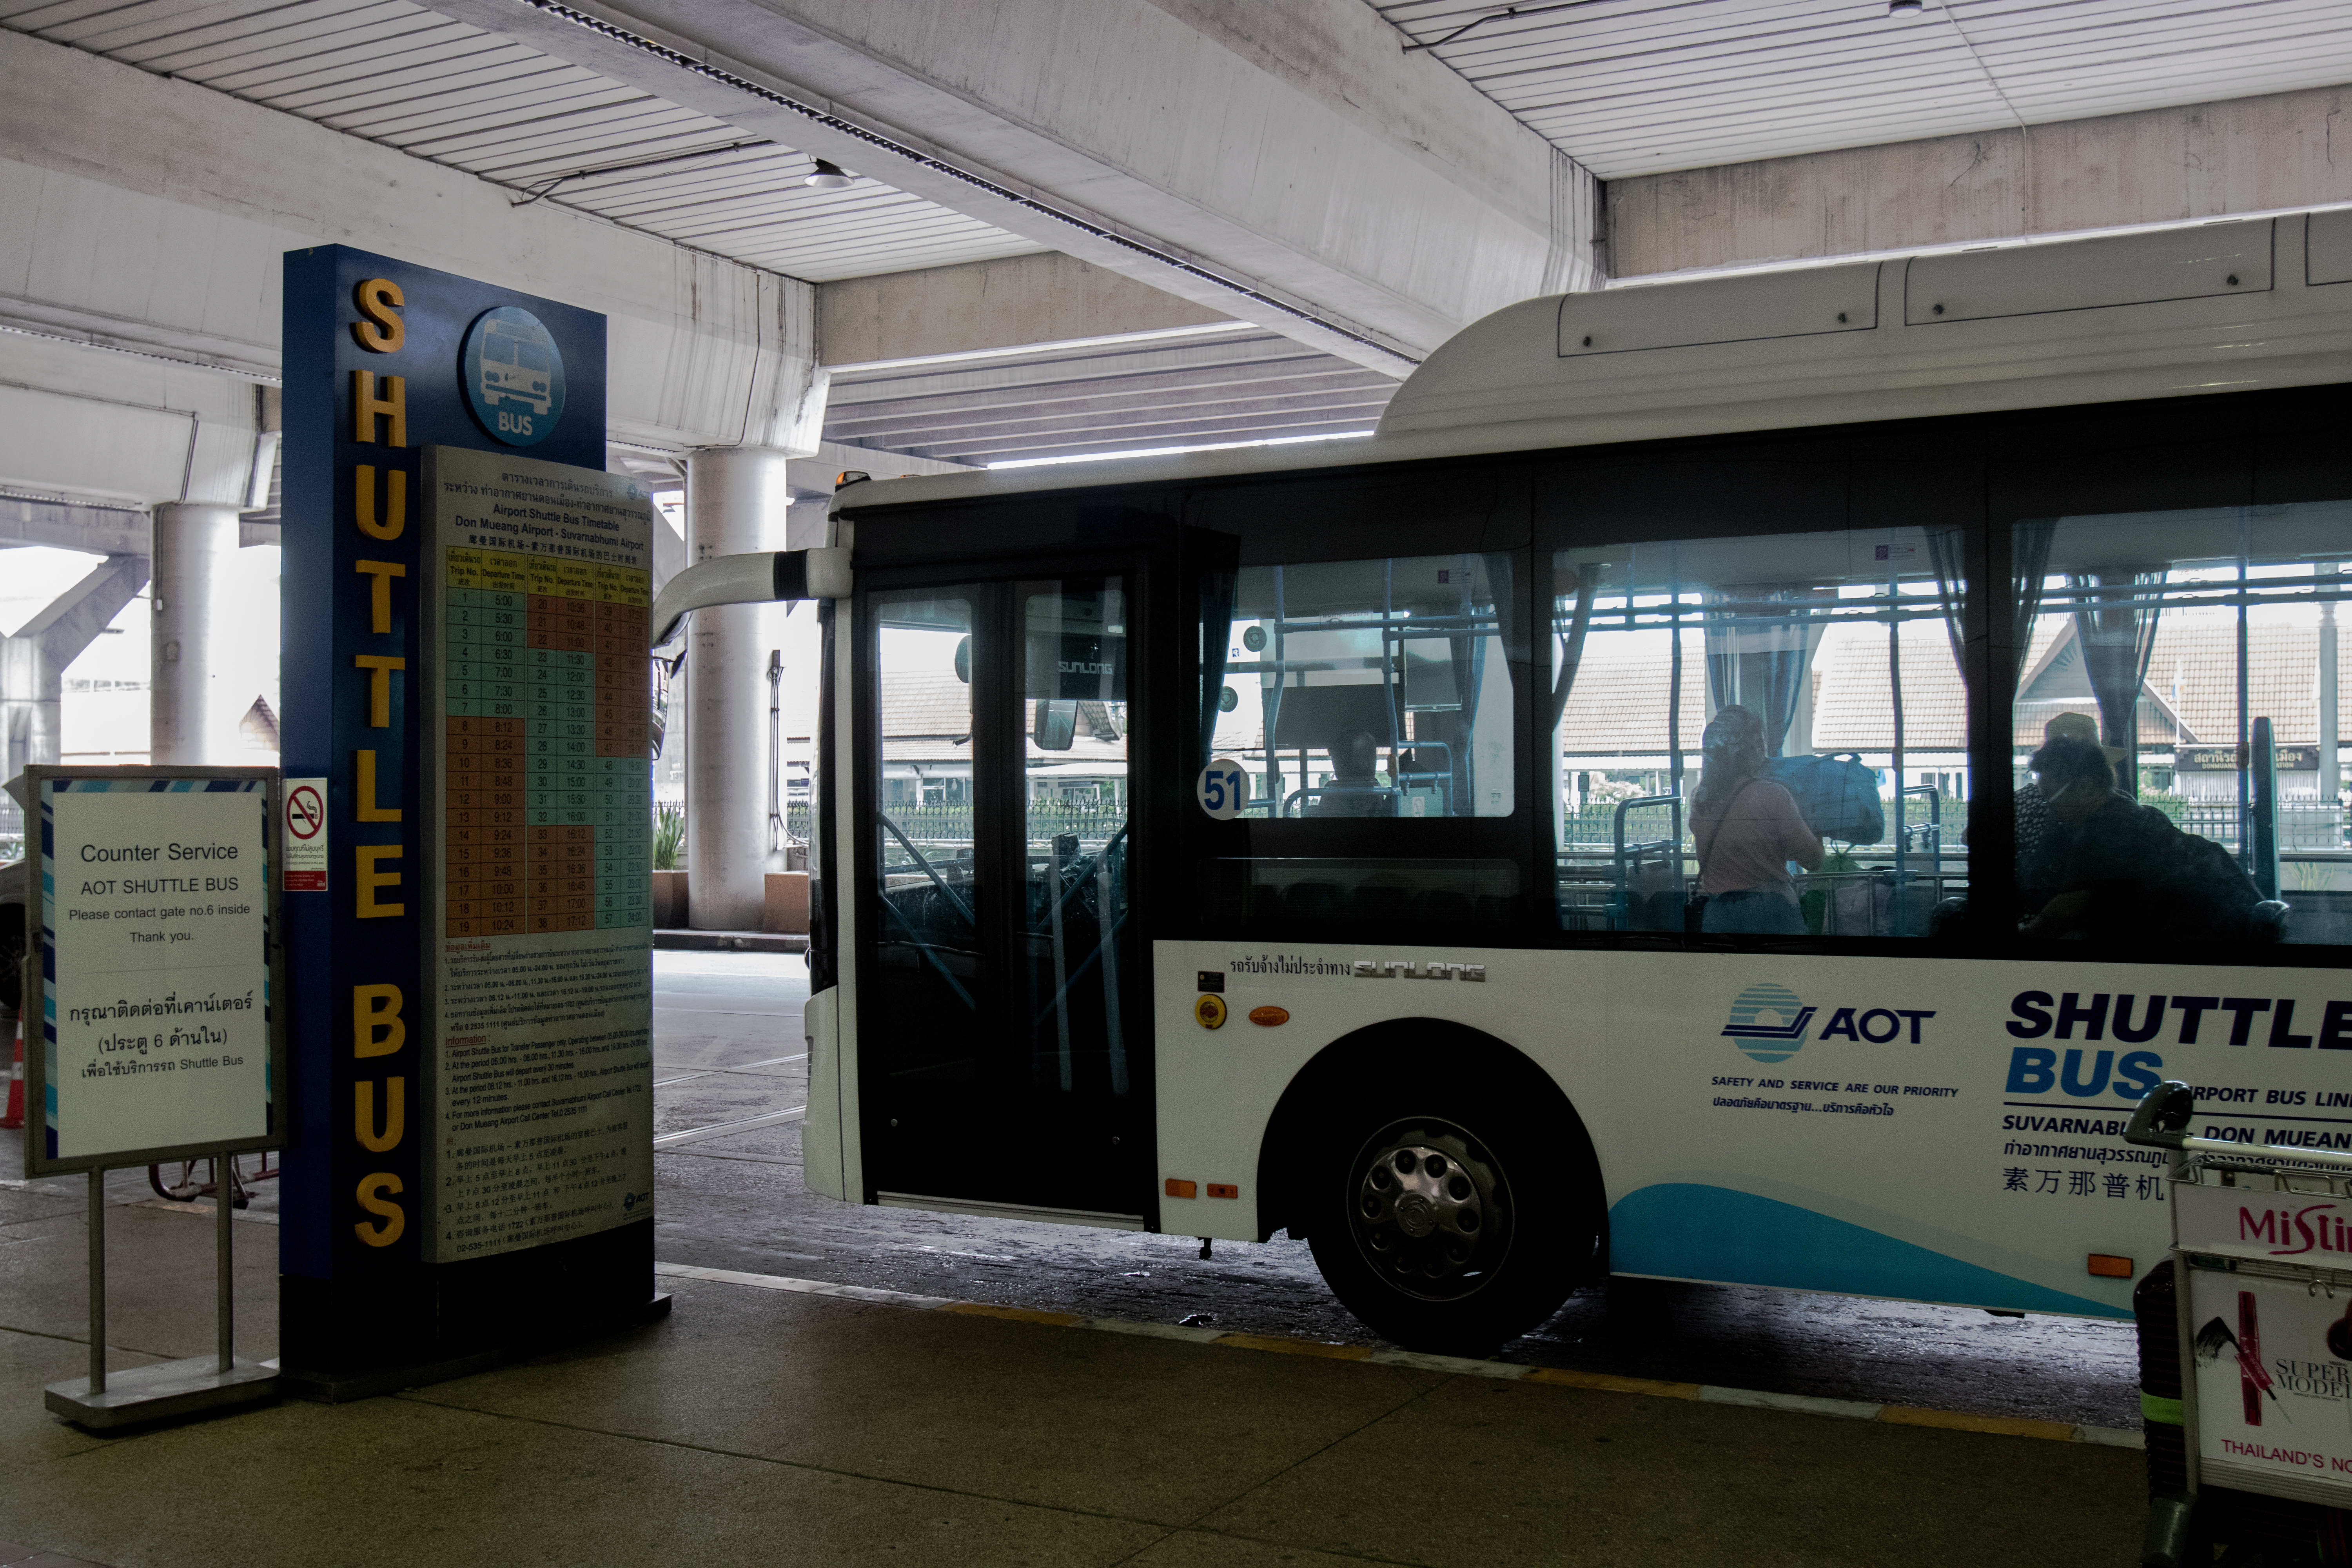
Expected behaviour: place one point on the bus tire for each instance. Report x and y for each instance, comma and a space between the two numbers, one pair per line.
1447, 1227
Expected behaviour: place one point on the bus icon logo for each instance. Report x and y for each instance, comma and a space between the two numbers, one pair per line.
1768, 1023
513, 375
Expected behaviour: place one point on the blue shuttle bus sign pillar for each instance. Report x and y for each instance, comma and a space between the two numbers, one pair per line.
449, 519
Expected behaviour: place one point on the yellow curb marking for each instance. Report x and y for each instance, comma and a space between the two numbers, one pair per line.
1016, 1314
1610, 1381
1959, 1421
1293, 1347
1558, 1377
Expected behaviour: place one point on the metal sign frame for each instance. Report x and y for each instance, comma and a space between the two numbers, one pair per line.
39, 959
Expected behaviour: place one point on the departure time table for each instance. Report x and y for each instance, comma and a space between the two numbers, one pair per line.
548, 802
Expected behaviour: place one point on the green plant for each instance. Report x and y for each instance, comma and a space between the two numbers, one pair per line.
669, 837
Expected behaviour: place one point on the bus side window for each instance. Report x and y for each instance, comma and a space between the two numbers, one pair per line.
1761, 734
2177, 741
1365, 688
1370, 706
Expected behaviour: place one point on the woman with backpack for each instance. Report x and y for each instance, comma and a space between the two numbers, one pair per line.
1748, 829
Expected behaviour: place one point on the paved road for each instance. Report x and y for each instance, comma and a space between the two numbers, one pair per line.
727, 1055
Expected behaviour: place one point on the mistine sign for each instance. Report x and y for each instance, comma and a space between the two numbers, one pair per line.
2239, 1222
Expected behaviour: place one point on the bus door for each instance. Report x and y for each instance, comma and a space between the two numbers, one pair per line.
1003, 1044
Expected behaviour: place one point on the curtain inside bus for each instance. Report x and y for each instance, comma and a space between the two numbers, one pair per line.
2177, 729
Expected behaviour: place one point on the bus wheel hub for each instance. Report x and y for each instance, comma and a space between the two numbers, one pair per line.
1425, 1208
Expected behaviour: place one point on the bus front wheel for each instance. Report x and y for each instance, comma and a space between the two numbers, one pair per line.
1445, 1230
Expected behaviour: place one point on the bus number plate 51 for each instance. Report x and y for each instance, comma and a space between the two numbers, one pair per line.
1223, 790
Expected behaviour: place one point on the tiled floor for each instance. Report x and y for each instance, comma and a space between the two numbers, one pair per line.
756, 1426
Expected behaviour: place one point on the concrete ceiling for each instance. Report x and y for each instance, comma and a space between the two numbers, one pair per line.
1640, 87
440, 90
1353, 179
1185, 386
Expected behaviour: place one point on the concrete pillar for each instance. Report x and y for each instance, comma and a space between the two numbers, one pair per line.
30, 693
2331, 772
192, 714
736, 500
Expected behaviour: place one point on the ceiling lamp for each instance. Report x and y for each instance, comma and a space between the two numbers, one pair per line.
1904, 8
831, 177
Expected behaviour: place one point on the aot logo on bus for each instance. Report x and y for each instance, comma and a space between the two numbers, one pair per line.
1770, 1025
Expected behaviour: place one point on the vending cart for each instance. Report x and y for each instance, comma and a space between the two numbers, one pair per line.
2262, 1254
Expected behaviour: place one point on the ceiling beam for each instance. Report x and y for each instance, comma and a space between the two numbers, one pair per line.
2237, 158
1288, 165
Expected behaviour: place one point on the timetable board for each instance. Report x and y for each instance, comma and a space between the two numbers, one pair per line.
541, 583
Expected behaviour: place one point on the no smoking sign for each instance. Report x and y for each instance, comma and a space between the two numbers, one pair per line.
306, 835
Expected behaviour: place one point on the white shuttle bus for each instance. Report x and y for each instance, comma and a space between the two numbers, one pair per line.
1327, 841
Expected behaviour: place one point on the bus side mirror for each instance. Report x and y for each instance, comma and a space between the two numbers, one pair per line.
1056, 724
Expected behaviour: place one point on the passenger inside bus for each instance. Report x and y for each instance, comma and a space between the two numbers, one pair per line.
1355, 788
2042, 849
2127, 871
1748, 829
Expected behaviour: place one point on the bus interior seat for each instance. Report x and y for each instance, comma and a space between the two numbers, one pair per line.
1385, 901
2266, 921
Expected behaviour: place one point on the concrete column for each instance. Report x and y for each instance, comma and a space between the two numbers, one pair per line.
2331, 772
192, 715
736, 501
29, 691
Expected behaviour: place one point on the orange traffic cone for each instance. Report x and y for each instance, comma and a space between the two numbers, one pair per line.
16, 1116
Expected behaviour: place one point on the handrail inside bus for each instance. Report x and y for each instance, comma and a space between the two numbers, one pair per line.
1392, 790
937, 880
1664, 847
1101, 947
1102, 855
895, 912
1933, 827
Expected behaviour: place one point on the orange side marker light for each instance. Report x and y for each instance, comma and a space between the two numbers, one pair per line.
1177, 1189
1223, 1190
2107, 1266
1267, 1017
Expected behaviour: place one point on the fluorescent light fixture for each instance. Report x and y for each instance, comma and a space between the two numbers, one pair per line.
1177, 452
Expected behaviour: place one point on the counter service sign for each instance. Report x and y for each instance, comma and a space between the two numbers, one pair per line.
155, 995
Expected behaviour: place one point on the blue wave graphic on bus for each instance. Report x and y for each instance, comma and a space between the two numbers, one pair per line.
1771, 1016
1688, 1231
